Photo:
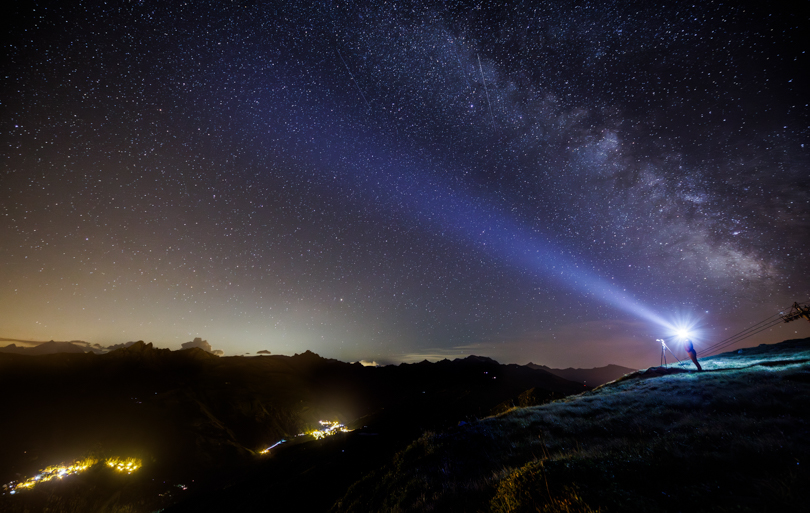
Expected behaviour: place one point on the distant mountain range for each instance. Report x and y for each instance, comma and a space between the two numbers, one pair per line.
590, 377
32, 347
43, 348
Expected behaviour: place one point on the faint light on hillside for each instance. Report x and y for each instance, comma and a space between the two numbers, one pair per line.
265, 451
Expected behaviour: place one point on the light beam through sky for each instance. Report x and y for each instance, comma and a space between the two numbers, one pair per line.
392, 181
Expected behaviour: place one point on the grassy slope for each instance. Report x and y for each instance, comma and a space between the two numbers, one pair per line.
733, 438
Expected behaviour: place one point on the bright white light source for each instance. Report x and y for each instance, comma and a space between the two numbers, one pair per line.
683, 334
685, 327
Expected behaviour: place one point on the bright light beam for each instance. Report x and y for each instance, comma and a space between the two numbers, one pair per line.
483, 224
407, 185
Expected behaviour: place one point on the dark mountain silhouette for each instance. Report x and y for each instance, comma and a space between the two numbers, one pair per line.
194, 416
199, 421
38, 347
44, 348
590, 377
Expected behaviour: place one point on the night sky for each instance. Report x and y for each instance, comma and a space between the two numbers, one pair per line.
558, 182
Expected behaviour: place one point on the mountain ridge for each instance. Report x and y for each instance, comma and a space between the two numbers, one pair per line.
588, 376
43, 348
194, 414
591, 377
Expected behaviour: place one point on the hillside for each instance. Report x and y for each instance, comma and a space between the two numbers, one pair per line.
664, 439
198, 420
732, 438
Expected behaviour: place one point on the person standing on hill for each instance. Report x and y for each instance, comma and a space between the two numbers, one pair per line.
690, 349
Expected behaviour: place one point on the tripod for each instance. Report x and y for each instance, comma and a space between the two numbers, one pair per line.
664, 349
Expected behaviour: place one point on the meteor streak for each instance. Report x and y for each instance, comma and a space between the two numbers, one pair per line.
481, 68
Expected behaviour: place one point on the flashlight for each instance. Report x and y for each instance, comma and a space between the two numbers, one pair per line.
683, 334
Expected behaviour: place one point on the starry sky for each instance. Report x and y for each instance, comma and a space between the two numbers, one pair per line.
561, 182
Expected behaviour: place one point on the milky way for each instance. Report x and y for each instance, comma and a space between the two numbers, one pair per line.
393, 181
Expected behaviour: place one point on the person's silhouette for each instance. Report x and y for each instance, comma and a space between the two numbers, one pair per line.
692, 354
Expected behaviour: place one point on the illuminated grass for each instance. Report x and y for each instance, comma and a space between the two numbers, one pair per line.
729, 439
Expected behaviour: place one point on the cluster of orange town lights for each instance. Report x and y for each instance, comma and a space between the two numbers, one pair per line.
128, 465
328, 429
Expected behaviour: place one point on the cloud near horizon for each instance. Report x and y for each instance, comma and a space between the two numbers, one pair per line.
202, 344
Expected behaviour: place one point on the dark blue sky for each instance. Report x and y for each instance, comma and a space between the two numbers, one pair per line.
389, 181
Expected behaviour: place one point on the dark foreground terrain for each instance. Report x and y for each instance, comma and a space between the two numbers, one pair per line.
732, 438
199, 423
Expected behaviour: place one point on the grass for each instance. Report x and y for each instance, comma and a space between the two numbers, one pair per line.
732, 438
